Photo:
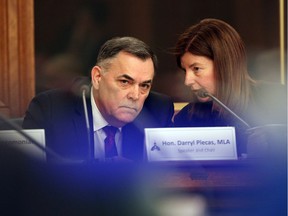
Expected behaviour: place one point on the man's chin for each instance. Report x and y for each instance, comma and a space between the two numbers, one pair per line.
127, 118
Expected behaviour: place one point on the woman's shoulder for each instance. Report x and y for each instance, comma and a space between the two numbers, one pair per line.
272, 88
270, 100
269, 93
182, 117
193, 114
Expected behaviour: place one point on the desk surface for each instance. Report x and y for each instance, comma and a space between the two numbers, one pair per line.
209, 177
235, 190
216, 176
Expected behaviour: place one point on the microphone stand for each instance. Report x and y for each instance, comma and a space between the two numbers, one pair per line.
226, 108
87, 124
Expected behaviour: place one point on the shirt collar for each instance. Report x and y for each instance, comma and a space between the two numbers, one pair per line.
98, 120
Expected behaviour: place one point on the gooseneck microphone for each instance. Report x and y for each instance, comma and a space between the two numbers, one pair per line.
81, 88
85, 89
203, 93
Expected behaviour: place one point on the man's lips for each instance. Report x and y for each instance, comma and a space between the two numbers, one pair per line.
130, 108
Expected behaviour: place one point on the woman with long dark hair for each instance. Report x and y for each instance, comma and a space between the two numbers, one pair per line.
213, 58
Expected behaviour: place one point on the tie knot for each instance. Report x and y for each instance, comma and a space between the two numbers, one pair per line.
110, 131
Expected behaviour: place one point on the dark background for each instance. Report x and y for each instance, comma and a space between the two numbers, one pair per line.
68, 35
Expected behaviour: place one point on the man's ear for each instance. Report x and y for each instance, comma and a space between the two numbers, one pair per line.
96, 76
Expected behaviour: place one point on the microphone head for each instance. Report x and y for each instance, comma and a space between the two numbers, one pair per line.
202, 93
79, 85
85, 88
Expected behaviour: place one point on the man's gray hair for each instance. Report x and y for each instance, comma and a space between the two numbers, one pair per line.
129, 45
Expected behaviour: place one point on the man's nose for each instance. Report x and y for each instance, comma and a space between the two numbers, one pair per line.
134, 92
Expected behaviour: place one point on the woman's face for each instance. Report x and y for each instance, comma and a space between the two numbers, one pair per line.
199, 74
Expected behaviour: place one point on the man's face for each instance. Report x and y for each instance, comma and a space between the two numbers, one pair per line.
121, 89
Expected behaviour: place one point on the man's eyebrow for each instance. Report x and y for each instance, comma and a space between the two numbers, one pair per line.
147, 82
126, 77
130, 78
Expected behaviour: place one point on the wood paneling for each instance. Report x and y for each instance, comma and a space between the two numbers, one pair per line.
17, 71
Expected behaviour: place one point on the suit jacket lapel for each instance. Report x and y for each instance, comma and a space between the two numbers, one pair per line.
86, 147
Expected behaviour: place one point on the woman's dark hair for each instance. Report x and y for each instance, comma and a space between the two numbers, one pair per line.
221, 43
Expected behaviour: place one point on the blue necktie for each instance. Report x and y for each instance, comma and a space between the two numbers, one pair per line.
110, 145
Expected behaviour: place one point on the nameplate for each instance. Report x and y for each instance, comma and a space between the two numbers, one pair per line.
16, 140
185, 144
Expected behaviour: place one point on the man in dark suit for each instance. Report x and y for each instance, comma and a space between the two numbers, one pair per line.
120, 96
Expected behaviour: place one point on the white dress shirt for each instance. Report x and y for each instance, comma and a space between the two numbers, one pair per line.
99, 135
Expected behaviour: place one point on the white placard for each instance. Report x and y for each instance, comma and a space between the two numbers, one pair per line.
190, 143
15, 139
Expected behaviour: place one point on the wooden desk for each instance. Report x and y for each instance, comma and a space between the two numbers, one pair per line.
216, 178
230, 190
